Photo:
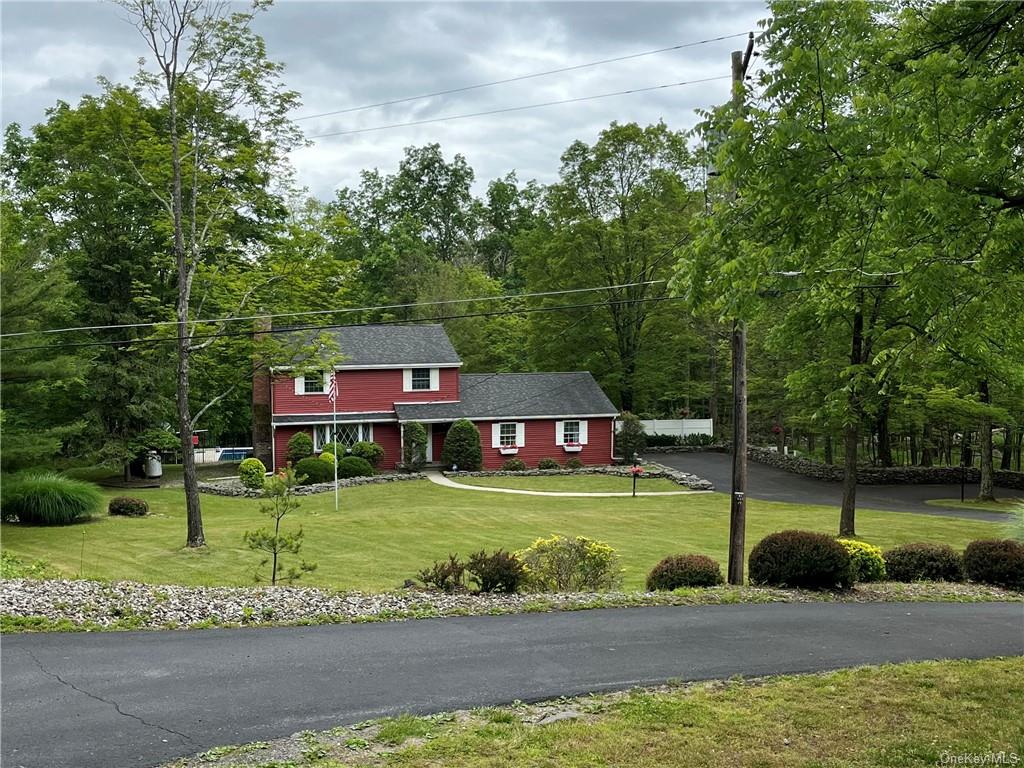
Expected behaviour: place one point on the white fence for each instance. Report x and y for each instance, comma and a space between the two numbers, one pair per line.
678, 427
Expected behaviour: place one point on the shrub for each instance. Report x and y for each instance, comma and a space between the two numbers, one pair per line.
800, 559
514, 465
311, 471
462, 446
548, 463
995, 561
657, 440
698, 438
372, 452
574, 463
299, 447
252, 473
46, 498
328, 457
560, 564
446, 575
279, 493
128, 507
498, 572
414, 446
684, 571
354, 466
630, 439
866, 561
335, 449
924, 562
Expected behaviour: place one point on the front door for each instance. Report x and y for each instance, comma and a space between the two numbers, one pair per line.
430, 443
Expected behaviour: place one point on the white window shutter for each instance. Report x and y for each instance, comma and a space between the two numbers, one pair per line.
327, 380
520, 434
583, 433
435, 379
559, 433
407, 379
495, 435
300, 385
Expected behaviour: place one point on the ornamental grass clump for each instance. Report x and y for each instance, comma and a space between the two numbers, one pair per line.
866, 561
800, 559
46, 498
924, 562
995, 561
677, 571
562, 564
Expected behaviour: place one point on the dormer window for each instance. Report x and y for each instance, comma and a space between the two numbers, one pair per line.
420, 379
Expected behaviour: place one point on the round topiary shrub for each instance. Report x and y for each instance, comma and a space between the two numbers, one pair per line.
800, 559
127, 506
372, 452
354, 466
328, 457
299, 447
252, 473
684, 571
866, 562
514, 465
311, 471
462, 446
995, 561
46, 498
924, 562
548, 463
574, 463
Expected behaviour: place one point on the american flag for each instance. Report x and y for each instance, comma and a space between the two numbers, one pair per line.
332, 388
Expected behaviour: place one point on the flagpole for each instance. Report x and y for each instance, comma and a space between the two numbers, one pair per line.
334, 435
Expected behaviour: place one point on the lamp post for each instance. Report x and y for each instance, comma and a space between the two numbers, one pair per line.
637, 469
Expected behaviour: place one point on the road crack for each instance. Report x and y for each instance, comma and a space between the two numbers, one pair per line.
110, 702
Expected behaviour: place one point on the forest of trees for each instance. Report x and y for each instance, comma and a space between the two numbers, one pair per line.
874, 244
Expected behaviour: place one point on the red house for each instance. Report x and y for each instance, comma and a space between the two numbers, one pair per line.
396, 374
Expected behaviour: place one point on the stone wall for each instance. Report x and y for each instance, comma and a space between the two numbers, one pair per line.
235, 488
651, 469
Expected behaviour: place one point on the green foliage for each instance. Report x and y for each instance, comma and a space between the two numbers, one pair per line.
127, 506
445, 575
300, 446
499, 571
548, 463
924, 562
574, 462
280, 501
560, 564
677, 571
414, 446
994, 561
630, 439
698, 439
462, 446
328, 457
801, 559
335, 449
46, 498
13, 567
372, 452
514, 464
354, 466
1015, 523
252, 473
866, 561
312, 471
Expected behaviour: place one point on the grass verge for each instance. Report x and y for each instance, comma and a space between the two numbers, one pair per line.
999, 505
573, 483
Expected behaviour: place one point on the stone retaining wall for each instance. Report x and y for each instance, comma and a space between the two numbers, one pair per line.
651, 469
235, 488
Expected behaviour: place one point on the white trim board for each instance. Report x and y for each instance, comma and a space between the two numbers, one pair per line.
563, 417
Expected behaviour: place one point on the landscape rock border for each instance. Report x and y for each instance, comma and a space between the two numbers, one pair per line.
651, 469
234, 487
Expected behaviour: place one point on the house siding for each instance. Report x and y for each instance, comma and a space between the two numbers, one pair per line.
540, 443
372, 390
385, 434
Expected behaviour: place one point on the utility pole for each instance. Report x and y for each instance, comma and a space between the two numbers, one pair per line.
738, 505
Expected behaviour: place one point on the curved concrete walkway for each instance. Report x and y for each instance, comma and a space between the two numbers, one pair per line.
437, 477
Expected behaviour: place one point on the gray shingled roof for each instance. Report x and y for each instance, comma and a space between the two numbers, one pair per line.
507, 395
404, 345
317, 418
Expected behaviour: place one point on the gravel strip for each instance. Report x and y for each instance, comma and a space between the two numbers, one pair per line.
130, 605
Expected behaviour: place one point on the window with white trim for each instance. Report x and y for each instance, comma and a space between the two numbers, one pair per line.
507, 433
420, 379
313, 384
570, 432
347, 434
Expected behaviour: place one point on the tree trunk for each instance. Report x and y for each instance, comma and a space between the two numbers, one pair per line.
913, 449
829, 458
780, 438
851, 435
810, 442
986, 488
1006, 461
884, 440
926, 446
713, 398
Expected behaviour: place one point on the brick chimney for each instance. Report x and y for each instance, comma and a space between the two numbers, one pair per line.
262, 434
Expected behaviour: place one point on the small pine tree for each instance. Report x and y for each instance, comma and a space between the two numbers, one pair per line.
630, 439
462, 446
280, 501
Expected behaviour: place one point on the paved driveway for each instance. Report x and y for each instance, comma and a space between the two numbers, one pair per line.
772, 484
116, 699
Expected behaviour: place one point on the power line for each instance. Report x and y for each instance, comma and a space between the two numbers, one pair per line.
516, 109
346, 310
518, 78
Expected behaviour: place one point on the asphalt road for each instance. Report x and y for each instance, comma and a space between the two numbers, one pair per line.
104, 700
773, 484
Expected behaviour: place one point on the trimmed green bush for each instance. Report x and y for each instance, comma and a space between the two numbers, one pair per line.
995, 561
299, 447
462, 447
514, 465
252, 473
328, 457
866, 561
574, 463
560, 564
335, 449
127, 506
684, 571
311, 471
657, 440
548, 463
800, 559
414, 446
499, 571
924, 562
372, 452
354, 466
630, 439
46, 498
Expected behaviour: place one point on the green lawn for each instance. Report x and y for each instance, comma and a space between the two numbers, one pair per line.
999, 505
386, 533
574, 483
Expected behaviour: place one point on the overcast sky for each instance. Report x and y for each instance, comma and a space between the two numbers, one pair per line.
340, 55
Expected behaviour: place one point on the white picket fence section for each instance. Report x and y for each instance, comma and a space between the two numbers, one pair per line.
678, 427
